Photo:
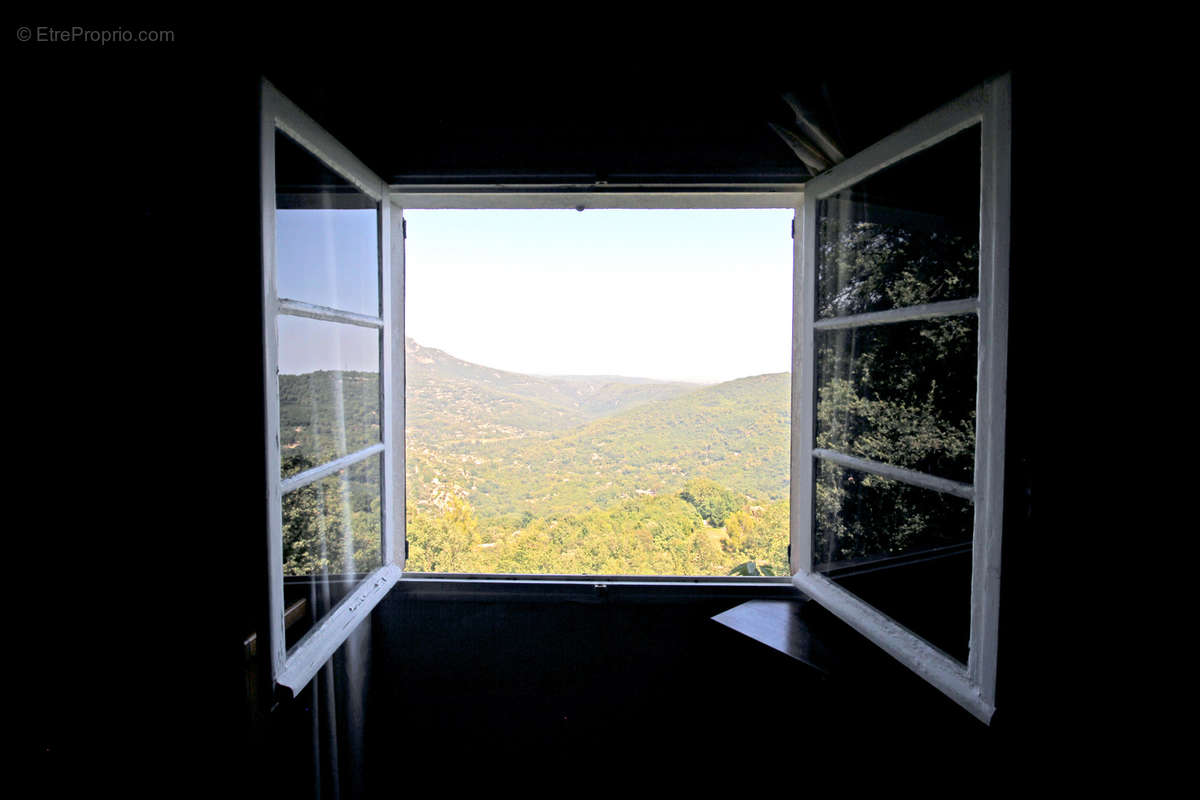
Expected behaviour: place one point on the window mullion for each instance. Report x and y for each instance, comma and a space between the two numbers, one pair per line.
391, 362
803, 398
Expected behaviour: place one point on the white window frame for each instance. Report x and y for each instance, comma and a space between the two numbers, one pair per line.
972, 686
582, 198
989, 105
291, 670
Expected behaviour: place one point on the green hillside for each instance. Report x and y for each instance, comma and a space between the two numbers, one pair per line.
562, 474
735, 433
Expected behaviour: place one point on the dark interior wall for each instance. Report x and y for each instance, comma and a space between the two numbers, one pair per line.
450, 688
139, 326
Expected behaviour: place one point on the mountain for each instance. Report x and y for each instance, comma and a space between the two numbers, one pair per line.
453, 400
511, 443
547, 474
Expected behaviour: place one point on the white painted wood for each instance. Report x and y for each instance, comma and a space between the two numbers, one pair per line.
939, 669
925, 132
808, 153
272, 617
312, 137
517, 198
911, 477
293, 670
387, 384
396, 454
995, 213
946, 308
810, 128
323, 640
973, 686
803, 309
297, 308
300, 479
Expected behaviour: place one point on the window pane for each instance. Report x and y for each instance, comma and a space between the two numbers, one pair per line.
903, 549
326, 234
605, 392
905, 236
332, 526
328, 391
901, 394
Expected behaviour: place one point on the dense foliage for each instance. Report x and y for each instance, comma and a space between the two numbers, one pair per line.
512, 473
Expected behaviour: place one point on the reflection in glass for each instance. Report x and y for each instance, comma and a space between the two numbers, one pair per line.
328, 391
901, 394
905, 236
863, 516
332, 526
903, 549
326, 236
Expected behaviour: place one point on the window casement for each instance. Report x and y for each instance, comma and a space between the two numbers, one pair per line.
853, 409
902, 306
330, 309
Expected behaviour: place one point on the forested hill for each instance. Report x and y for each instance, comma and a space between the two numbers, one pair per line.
451, 400
736, 433
522, 473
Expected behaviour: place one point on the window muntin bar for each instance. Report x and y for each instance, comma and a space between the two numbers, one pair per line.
911, 477
948, 308
316, 473
297, 308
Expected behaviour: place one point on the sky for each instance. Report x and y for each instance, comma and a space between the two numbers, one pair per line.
696, 295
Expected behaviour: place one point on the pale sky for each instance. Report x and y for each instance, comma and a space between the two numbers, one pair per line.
699, 295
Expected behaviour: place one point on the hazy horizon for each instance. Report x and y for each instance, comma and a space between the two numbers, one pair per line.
698, 296
702, 296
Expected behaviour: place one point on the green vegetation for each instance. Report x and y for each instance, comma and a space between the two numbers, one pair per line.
513, 473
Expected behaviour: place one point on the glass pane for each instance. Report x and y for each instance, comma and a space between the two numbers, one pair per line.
903, 549
326, 234
901, 394
328, 391
332, 526
605, 392
905, 236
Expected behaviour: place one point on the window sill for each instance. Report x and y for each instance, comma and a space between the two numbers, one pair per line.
591, 588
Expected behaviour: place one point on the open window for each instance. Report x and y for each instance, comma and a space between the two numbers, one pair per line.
332, 409
598, 384
898, 442
894, 421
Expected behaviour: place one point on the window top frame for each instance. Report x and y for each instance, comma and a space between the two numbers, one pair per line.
590, 196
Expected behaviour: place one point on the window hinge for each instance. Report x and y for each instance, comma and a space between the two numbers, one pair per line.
406, 549
793, 227
789, 554
404, 229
